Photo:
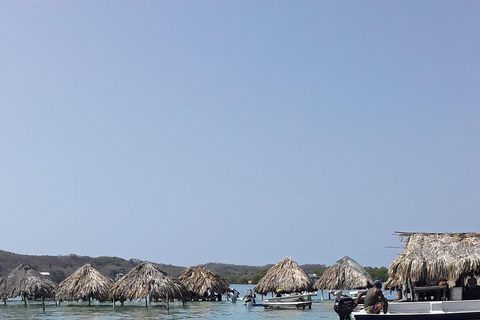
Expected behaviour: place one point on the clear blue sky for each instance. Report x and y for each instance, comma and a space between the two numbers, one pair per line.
187, 132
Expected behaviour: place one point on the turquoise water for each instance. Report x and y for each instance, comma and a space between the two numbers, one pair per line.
137, 310
193, 310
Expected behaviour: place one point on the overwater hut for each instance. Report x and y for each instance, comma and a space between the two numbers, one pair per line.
204, 284
147, 281
284, 277
345, 274
430, 257
23, 281
85, 283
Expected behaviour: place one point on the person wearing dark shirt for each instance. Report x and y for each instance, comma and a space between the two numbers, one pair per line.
374, 299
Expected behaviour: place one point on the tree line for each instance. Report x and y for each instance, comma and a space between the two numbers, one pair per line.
60, 267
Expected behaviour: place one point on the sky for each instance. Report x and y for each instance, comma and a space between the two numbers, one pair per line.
243, 132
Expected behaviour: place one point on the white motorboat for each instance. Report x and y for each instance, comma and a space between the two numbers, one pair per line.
292, 301
249, 299
433, 310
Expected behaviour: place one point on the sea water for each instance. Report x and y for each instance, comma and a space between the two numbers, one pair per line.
16, 309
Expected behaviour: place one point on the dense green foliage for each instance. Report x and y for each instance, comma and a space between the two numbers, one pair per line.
318, 272
378, 273
246, 278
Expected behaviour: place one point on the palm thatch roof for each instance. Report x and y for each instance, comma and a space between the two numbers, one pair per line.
84, 284
435, 256
200, 280
287, 277
147, 279
23, 281
345, 274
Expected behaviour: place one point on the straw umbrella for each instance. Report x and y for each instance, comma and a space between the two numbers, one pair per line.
23, 281
200, 280
345, 274
147, 280
435, 256
84, 284
286, 277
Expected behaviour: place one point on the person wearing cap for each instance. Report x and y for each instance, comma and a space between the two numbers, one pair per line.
374, 299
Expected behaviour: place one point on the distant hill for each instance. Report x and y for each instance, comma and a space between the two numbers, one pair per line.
61, 267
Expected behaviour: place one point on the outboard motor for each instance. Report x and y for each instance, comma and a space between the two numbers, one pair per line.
343, 307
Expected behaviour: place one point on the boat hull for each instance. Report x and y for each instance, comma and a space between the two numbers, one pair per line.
429, 316
433, 310
288, 305
293, 301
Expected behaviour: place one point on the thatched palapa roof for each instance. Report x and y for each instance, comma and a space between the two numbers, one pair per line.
84, 284
144, 280
287, 277
345, 274
200, 280
23, 281
435, 256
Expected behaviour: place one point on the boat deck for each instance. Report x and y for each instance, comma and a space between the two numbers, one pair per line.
433, 310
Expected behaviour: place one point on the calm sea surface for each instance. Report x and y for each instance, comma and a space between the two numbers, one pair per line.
192, 310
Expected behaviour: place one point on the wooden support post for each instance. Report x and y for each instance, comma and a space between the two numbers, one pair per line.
410, 288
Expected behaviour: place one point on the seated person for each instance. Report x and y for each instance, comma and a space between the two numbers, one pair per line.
374, 299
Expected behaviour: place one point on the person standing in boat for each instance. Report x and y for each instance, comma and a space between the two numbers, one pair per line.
374, 299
